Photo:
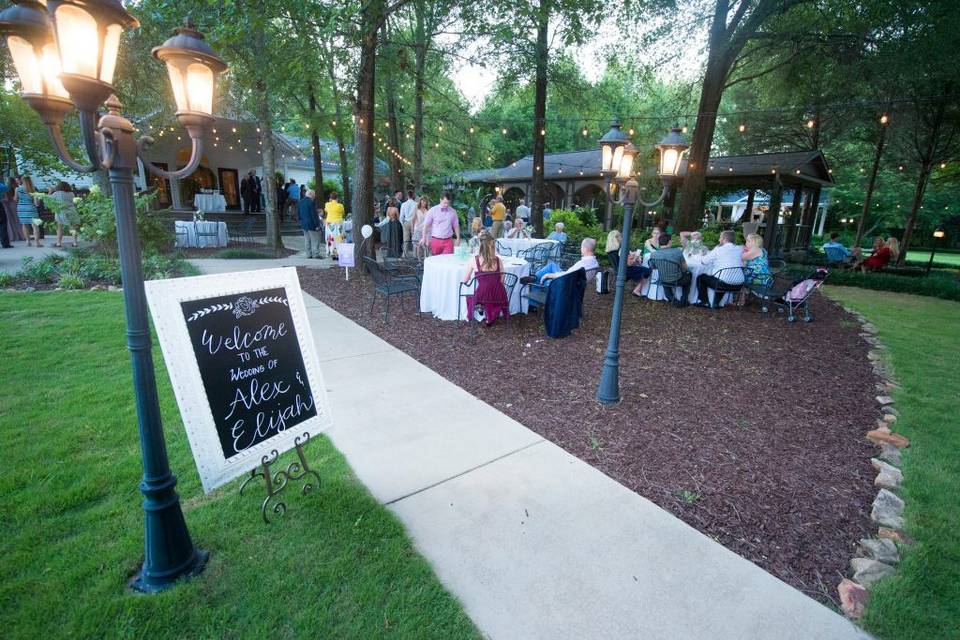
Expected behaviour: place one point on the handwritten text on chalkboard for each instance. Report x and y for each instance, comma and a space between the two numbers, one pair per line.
251, 366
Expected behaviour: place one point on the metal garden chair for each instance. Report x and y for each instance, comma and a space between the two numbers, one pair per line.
389, 285
204, 230
508, 280
732, 280
668, 276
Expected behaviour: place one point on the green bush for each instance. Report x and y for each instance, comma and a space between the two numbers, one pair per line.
70, 281
7, 279
940, 284
576, 230
43, 271
98, 222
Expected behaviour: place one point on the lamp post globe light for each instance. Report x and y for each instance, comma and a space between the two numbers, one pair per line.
65, 54
617, 158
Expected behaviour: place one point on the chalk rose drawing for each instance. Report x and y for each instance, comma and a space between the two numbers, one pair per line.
244, 306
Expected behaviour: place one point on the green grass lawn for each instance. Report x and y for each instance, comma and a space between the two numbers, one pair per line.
337, 565
939, 258
923, 338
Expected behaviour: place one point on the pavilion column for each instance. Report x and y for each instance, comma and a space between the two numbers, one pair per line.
790, 224
810, 216
748, 212
773, 219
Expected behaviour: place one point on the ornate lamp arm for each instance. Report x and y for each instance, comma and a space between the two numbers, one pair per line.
663, 194
195, 154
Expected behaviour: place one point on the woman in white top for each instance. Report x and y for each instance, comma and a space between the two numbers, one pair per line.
419, 215
67, 215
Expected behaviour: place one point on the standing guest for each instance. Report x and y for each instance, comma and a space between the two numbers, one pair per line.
419, 216
293, 195
281, 198
406, 221
9, 202
257, 193
519, 230
333, 211
755, 262
440, 225
303, 192
247, 191
27, 210
558, 234
67, 215
523, 211
4, 236
309, 224
674, 255
392, 232
884, 255
725, 255
547, 211
498, 213
489, 290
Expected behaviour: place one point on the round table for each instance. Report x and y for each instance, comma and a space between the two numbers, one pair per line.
515, 245
696, 267
442, 275
210, 202
214, 234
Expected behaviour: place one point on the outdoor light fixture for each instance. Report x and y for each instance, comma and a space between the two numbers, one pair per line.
65, 56
616, 163
938, 234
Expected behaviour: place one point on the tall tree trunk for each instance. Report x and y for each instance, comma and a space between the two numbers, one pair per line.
265, 122
363, 154
315, 144
337, 129
396, 168
539, 119
871, 185
420, 53
918, 192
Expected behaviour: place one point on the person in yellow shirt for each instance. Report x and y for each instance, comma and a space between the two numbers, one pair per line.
497, 213
333, 211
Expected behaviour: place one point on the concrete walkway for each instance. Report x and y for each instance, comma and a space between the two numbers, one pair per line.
534, 542
11, 260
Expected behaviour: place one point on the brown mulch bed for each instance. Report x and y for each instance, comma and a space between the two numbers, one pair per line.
744, 426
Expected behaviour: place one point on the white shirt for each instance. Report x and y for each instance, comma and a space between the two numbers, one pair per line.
523, 211
724, 256
406, 209
587, 263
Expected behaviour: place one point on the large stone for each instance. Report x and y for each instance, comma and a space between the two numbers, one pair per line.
882, 550
853, 598
889, 418
887, 510
869, 328
884, 399
873, 355
892, 534
889, 453
895, 439
888, 476
867, 571
890, 411
883, 426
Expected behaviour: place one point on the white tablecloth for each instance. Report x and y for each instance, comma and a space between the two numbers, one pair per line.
442, 276
519, 244
210, 202
696, 266
205, 226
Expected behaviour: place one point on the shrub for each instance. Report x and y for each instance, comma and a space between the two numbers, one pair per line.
7, 279
940, 284
69, 281
43, 271
576, 230
98, 222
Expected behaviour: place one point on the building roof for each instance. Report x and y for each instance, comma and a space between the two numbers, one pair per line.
793, 167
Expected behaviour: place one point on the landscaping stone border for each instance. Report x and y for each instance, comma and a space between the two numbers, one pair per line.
877, 557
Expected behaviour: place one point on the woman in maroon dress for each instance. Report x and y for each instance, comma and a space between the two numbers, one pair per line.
490, 292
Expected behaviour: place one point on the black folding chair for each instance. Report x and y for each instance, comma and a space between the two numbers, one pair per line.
204, 230
666, 275
242, 233
387, 284
181, 236
508, 280
731, 280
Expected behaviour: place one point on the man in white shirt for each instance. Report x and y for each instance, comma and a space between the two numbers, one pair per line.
406, 220
523, 211
587, 262
725, 255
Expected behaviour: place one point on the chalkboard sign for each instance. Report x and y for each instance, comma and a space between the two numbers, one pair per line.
242, 362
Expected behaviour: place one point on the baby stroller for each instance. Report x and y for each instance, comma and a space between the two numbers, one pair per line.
789, 293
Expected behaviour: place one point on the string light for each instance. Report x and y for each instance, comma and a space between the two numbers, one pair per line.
742, 127
943, 165
504, 131
810, 123
683, 129
585, 132
884, 119
471, 129
543, 132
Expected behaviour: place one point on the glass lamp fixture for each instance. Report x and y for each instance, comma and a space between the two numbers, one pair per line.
88, 39
627, 154
193, 67
672, 149
939, 232
611, 147
26, 29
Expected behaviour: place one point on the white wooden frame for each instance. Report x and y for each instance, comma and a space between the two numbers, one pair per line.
165, 297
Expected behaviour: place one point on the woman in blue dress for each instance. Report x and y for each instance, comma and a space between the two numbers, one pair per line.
755, 261
27, 210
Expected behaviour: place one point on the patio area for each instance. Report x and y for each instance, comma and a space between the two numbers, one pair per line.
747, 428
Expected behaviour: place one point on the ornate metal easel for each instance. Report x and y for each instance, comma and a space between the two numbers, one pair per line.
277, 481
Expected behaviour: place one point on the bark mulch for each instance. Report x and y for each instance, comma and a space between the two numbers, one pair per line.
744, 426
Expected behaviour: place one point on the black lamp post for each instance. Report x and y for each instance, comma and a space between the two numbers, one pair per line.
617, 157
938, 234
65, 54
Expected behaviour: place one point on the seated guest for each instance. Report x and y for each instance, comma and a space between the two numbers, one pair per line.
675, 255
888, 251
834, 249
476, 226
725, 255
755, 262
651, 244
507, 226
489, 290
558, 233
587, 262
635, 270
519, 230
693, 243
